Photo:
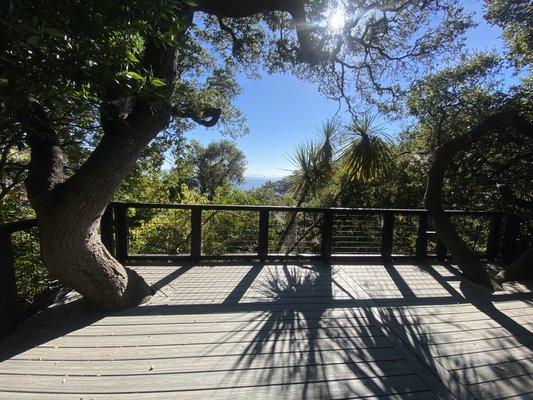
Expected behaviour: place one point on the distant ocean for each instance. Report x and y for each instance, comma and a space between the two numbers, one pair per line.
252, 182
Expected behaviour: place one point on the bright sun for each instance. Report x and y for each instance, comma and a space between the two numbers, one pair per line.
337, 20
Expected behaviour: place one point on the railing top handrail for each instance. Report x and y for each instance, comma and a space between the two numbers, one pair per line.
31, 223
247, 207
21, 225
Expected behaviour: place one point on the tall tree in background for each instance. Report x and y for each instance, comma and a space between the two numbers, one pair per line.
111, 76
218, 164
462, 110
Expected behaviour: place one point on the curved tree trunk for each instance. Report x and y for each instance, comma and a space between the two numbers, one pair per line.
467, 260
69, 209
73, 252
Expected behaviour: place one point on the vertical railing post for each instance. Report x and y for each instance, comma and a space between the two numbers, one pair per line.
510, 235
8, 285
196, 233
493, 240
386, 235
121, 233
326, 235
262, 251
422, 236
106, 228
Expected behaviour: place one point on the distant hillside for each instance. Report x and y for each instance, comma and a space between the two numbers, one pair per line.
279, 185
252, 182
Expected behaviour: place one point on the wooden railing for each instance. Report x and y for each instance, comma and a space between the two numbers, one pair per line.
502, 231
336, 234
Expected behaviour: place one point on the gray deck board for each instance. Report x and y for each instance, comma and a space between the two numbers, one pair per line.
372, 331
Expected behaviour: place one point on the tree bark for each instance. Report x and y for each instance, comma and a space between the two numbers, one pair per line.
519, 269
467, 260
72, 251
69, 209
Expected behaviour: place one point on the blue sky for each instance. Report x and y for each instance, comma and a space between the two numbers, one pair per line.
283, 111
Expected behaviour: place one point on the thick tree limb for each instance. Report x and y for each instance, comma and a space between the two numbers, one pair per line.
208, 117
46, 162
124, 138
245, 8
466, 259
308, 50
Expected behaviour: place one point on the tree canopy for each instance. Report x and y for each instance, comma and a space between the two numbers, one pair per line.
516, 20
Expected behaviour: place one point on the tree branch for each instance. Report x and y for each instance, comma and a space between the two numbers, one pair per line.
46, 162
308, 50
237, 43
244, 8
208, 117
466, 259
124, 139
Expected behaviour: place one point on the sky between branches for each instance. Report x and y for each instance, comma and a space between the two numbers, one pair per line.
283, 111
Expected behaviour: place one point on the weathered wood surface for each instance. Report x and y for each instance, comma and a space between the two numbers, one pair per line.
374, 331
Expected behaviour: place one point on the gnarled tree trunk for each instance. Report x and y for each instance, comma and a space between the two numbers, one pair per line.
73, 252
69, 209
471, 266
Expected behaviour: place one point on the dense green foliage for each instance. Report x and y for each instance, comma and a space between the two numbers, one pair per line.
516, 20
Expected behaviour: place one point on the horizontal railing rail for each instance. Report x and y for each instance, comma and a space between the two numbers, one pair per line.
246, 207
16, 226
319, 233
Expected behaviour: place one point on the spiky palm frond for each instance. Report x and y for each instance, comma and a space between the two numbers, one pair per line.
328, 134
314, 163
365, 156
303, 158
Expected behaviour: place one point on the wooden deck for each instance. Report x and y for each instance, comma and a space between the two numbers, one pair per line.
372, 331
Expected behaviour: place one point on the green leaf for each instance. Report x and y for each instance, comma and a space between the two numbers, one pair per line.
132, 58
156, 82
191, 3
134, 75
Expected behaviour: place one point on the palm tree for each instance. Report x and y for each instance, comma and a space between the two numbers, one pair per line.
364, 156
314, 168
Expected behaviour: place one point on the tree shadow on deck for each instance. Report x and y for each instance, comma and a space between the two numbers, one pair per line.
59, 320
334, 343
325, 331
310, 344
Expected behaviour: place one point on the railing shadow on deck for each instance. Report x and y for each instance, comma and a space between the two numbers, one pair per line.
343, 324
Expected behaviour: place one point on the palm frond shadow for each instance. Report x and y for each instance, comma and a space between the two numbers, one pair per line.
336, 352
315, 345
